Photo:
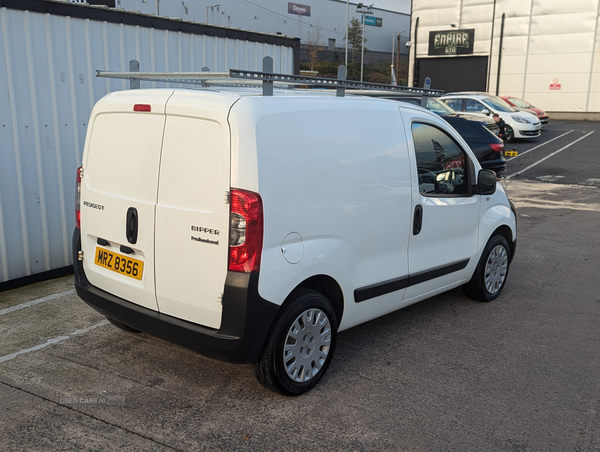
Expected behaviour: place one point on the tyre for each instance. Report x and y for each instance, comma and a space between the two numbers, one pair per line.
300, 344
510, 134
122, 326
491, 272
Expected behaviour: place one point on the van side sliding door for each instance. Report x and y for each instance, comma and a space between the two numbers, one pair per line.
443, 242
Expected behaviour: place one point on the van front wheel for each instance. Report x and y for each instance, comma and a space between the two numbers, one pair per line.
491, 272
300, 344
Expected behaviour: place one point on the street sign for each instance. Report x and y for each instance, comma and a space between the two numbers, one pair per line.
373, 21
300, 10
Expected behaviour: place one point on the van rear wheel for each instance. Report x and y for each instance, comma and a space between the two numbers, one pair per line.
300, 344
492, 270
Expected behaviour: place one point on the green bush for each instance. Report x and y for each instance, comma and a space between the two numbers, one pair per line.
374, 73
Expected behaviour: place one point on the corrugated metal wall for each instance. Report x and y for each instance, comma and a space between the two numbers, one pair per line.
47, 90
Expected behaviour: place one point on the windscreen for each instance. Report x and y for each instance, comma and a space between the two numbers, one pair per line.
520, 103
497, 104
439, 108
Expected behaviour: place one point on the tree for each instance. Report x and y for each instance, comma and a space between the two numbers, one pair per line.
312, 44
355, 36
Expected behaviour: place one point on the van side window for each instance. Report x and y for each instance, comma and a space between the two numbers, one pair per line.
441, 163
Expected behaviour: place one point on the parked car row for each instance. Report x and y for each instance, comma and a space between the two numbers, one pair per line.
521, 105
470, 114
518, 124
480, 133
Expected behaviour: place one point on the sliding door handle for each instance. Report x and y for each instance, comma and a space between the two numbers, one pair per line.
418, 219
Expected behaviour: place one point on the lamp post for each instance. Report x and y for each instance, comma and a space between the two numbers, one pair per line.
393, 42
363, 9
212, 9
347, 19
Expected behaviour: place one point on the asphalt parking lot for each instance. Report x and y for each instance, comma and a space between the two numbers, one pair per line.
447, 374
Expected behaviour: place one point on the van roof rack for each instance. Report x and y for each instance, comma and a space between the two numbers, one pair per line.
267, 78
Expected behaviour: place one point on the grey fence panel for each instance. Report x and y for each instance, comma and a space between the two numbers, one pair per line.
47, 91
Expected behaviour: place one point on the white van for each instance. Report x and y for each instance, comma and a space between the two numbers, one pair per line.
519, 124
254, 228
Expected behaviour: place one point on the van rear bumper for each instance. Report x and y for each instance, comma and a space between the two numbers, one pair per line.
246, 316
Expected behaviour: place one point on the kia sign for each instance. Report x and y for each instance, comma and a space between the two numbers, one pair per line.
296, 8
451, 42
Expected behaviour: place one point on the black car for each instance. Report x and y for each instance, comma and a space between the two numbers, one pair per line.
486, 146
479, 133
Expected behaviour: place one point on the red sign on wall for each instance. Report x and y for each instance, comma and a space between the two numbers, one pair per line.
555, 84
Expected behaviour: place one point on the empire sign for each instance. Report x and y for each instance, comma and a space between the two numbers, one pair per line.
451, 42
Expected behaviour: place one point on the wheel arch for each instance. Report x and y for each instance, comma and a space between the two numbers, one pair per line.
329, 287
507, 233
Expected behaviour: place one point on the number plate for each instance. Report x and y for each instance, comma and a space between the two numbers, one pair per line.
119, 263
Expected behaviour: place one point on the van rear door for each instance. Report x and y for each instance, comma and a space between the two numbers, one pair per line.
119, 191
192, 214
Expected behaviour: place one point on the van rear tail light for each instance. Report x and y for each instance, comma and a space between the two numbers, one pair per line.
78, 198
497, 147
245, 231
142, 107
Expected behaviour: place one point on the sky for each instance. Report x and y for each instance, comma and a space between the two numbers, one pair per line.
390, 5
401, 6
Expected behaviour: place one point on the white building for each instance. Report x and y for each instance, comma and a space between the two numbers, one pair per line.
544, 51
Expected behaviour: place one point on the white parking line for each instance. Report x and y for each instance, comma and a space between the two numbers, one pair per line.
548, 156
52, 341
34, 302
539, 146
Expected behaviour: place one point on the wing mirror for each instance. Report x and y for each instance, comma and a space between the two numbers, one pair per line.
485, 111
486, 182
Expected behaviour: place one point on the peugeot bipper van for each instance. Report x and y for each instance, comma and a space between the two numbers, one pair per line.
253, 228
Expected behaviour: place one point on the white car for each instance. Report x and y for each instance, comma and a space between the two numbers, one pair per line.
254, 228
518, 124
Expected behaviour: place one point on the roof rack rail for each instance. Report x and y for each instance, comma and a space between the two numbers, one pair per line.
267, 78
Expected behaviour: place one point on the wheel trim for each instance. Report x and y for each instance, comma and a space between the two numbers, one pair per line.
307, 345
496, 269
